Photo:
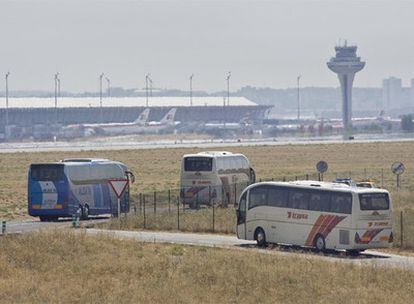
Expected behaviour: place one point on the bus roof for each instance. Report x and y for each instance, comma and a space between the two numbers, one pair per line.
213, 154
307, 184
81, 161
84, 160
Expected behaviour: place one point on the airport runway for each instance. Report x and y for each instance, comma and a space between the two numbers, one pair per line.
216, 143
368, 258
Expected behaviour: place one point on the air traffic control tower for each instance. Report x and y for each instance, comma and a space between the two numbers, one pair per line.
346, 64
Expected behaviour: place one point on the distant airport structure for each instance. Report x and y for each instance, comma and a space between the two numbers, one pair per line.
87, 102
43, 116
345, 64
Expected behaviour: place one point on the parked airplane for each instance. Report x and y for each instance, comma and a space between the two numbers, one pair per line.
138, 126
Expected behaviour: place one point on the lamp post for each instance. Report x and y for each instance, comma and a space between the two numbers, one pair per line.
7, 105
100, 97
147, 78
108, 82
191, 90
298, 96
57, 80
228, 87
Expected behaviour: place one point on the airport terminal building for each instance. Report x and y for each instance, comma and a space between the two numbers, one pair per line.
37, 115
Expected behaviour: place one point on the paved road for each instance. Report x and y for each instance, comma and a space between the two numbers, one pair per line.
231, 242
36, 225
123, 145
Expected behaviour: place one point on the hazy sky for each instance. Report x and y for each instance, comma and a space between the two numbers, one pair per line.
263, 43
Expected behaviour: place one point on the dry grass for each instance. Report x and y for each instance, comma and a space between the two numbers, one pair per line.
159, 169
61, 267
200, 221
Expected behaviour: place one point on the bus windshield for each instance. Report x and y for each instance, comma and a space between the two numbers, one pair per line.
374, 201
50, 172
198, 164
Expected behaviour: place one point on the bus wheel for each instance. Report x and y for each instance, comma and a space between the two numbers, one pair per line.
44, 218
85, 212
319, 243
354, 252
260, 237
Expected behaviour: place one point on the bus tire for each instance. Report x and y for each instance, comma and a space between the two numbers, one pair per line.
85, 212
354, 252
44, 218
319, 243
193, 205
260, 237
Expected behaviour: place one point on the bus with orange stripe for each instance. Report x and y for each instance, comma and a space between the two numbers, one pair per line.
214, 177
315, 214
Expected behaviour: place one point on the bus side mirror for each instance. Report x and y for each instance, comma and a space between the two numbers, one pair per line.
252, 176
131, 176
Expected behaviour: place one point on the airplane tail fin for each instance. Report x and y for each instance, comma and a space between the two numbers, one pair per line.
168, 119
143, 117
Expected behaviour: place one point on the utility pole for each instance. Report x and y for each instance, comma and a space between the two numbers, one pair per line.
191, 90
100, 96
298, 96
147, 78
7, 105
108, 82
56, 96
228, 87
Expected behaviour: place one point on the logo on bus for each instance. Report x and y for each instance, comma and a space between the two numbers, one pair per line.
297, 216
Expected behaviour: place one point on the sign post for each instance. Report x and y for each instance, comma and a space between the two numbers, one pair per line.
119, 186
398, 168
321, 167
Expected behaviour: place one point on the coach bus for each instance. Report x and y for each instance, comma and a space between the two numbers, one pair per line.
75, 186
214, 177
316, 214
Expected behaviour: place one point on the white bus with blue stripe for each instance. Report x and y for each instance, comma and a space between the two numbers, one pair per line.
75, 186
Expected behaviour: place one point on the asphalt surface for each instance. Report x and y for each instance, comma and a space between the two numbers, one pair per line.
368, 258
216, 143
33, 225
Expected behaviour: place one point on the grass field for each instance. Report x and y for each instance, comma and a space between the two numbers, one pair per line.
61, 267
159, 169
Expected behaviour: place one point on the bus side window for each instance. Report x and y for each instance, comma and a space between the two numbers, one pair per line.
278, 197
320, 201
257, 197
341, 203
298, 199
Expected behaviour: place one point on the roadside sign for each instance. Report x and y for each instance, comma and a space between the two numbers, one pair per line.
397, 168
322, 166
118, 185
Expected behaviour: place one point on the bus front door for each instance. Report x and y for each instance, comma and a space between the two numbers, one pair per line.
241, 217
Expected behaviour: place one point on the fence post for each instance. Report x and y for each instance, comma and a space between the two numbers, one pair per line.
382, 177
365, 173
3, 227
209, 195
155, 202
140, 203
197, 201
178, 213
401, 229
284, 178
169, 200
307, 176
213, 217
296, 177
145, 218
235, 194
